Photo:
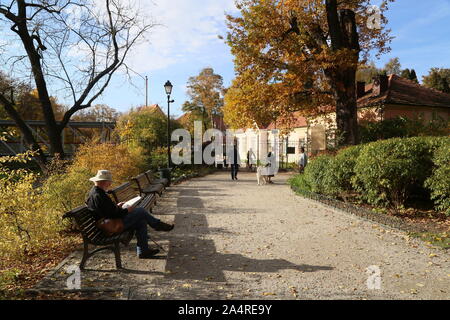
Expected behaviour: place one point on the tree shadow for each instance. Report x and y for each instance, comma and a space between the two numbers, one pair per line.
192, 257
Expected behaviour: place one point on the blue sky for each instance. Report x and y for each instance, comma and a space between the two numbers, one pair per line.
187, 41
422, 34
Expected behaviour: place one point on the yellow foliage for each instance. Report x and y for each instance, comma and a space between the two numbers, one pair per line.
123, 162
31, 209
27, 222
288, 59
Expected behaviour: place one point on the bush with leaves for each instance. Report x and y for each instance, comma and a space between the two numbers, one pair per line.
27, 223
439, 181
299, 183
145, 130
317, 174
66, 191
388, 171
341, 170
122, 161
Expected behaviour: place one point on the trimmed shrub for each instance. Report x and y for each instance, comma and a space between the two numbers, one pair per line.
317, 174
439, 181
387, 171
299, 183
342, 170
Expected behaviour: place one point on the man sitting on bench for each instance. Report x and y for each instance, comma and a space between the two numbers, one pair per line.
133, 218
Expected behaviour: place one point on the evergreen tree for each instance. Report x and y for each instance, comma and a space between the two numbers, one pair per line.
406, 74
413, 76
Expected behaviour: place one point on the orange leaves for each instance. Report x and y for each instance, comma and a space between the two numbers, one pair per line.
282, 51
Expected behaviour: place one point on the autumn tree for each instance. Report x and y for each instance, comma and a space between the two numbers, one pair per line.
366, 72
439, 79
301, 55
205, 93
393, 66
98, 113
72, 47
27, 100
144, 130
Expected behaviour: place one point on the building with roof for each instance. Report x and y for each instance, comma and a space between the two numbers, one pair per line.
152, 108
387, 97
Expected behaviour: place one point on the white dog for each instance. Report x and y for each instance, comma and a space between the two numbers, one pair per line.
261, 176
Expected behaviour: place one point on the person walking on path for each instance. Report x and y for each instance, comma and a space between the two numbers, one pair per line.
234, 163
303, 162
250, 159
131, 218
269, 168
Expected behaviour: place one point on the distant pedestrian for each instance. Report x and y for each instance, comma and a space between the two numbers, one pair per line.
250, 159
303, 162
270, 169
234, 163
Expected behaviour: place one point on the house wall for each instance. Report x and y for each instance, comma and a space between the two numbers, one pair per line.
393, 111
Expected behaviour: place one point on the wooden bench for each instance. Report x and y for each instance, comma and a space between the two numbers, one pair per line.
127, 192
152, 180
145, 187
92, 235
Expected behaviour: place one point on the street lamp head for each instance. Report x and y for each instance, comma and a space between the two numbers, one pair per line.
168, 86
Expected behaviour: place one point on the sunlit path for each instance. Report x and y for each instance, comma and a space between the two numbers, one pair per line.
237, 240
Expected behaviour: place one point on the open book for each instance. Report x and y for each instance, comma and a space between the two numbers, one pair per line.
132, 202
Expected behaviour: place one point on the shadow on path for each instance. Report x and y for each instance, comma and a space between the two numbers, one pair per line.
195, 258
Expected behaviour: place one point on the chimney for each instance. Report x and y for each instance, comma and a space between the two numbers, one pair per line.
360, 89
380, 85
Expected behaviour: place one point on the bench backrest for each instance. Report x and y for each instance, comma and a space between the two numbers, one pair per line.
142, 182
85, 222
150, 176
124, 192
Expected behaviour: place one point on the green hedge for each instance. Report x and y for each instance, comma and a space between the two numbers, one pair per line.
316, 174
341, 171
385, 173
439, 182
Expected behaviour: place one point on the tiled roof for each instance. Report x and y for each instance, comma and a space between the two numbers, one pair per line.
297, 121
404, 91
153, 108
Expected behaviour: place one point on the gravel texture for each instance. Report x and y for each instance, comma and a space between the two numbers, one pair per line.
238, 240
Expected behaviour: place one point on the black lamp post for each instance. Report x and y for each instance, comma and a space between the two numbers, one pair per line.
168, 87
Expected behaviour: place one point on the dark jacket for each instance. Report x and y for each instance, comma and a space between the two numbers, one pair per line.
101, 205
235, 156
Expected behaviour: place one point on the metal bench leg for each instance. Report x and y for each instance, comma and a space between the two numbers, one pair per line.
85, 254
117, 255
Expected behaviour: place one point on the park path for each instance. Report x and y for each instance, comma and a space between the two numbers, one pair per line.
238, 240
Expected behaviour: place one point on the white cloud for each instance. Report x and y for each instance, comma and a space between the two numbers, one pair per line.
187, 28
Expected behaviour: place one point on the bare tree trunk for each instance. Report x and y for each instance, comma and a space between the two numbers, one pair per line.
54, 134
118, 30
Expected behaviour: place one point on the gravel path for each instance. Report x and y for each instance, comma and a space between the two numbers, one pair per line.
238, 240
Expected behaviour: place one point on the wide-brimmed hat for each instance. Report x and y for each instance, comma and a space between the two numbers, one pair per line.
102, 175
